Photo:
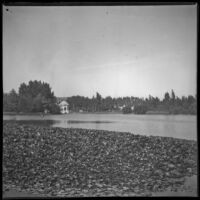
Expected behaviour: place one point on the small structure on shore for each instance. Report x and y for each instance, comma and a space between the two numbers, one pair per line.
121, 107
64, 107
46, 111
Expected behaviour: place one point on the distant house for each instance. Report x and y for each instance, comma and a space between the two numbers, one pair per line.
132, 108
46, 111
121, 107
64, 107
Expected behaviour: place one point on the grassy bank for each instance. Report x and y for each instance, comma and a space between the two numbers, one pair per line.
40, 113
22, 113
80, 162
103, 112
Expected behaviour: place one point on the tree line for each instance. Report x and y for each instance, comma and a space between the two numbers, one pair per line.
37, 96
170, 104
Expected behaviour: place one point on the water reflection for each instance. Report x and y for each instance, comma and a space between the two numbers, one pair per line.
90, 122
178, 126
46, 123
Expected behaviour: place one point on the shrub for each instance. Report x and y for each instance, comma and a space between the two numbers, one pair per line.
140, 109
127, 110
54, 109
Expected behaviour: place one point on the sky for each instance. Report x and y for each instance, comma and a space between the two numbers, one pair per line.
114, 50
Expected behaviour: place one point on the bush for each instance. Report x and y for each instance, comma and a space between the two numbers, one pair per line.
127, 110
54, 109
140, 109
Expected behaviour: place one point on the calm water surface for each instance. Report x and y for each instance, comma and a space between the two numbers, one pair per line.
179, 126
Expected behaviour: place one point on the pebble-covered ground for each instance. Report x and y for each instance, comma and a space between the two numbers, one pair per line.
80, 162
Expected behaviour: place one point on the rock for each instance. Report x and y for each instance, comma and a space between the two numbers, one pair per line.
136, 189
171, 166
175, 174
38, 134
78, 159
147, 194
189, 162
167, 173
159, 172
125, 188
57, 185
189, 170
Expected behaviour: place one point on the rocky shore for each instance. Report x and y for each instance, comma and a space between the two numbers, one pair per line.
80, 162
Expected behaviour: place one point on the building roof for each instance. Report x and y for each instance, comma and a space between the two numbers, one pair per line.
63, 103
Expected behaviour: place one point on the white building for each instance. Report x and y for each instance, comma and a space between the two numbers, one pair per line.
64, 107
121, 107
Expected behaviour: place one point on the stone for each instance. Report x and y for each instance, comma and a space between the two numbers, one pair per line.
171, 166
167, 173
123, 168
189, 170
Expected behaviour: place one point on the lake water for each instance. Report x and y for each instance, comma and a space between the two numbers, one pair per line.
178, 126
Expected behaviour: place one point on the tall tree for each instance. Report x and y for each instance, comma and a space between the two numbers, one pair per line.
10, 101
34, 96
98, 101
166, 97
166, 100
173, 97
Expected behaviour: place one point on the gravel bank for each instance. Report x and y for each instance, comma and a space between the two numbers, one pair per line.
78, 162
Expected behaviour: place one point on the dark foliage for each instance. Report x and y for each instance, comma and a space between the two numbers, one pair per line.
127, 110
54, 108
37, 96
32, 97
170, 104
140, 109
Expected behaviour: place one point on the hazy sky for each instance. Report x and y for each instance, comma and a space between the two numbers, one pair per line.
115, 50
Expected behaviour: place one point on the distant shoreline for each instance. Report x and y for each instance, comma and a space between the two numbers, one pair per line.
117, 112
